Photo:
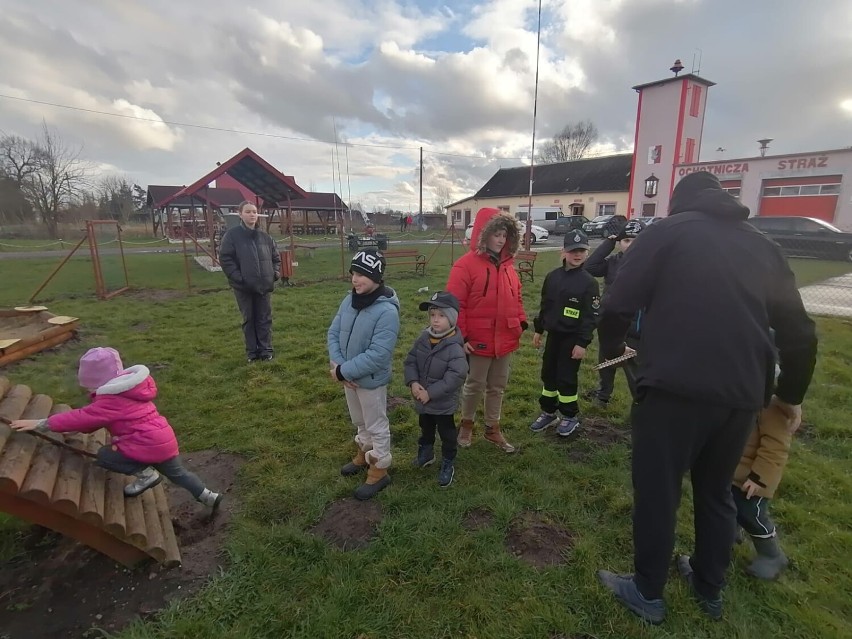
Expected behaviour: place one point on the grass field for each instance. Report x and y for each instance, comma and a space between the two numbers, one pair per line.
425, 576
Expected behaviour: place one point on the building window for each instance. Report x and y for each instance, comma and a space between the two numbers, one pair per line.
810, 189
804, 189
505, 209
734, 190
695, 106
457, 215
606, 208
690, 150
771, 191
829, 189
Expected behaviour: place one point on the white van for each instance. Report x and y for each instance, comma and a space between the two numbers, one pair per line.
544, 216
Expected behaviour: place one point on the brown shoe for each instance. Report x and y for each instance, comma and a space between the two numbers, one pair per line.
465, 433
495, 436
377, 479
358, 463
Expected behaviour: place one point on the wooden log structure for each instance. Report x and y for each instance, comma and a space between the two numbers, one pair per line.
67, 492
52, 330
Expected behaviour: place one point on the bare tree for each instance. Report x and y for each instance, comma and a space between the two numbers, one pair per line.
19, 159
59, 177
115, 197
442, 199
571, 143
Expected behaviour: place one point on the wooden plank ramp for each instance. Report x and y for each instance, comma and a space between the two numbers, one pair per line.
67, 492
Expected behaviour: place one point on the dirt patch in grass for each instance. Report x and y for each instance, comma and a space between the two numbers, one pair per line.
60, 588
477, 519
140, 327
594, 434
155, 294
349, 524
537, 541
395, 402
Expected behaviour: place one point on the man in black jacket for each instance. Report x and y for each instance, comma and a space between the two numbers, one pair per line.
252, 264
711, 287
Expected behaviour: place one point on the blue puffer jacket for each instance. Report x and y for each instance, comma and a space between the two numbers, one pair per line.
362, 342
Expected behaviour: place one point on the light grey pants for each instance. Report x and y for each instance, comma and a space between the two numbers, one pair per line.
368, 409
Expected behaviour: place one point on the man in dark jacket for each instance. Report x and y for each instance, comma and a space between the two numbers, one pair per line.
251, 262
711, 286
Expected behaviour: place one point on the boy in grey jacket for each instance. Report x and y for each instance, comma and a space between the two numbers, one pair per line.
361, 340
435, 370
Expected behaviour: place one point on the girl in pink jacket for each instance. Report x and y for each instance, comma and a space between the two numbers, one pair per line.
143, 443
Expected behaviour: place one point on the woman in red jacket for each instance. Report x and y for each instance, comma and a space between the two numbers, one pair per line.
491, 318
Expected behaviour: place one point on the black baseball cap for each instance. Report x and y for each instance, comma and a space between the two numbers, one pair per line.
576, 239
441, 299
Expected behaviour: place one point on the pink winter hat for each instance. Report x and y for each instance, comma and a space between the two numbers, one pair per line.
98, 366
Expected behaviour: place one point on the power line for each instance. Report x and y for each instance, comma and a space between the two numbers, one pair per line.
241, 132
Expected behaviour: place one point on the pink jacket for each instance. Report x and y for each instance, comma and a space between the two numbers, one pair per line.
125, 407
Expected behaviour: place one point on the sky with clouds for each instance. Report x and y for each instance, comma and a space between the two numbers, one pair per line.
390, 76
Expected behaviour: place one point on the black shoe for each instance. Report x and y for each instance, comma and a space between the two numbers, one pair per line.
425, 455
710, 607
627, 593
252, 358
266, 358
446, 474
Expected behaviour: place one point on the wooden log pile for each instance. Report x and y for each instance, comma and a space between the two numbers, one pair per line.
66, 491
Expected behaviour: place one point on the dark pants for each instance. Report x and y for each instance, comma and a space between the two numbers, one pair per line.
256, 310
173, 469
673, 435
753, 514
606, 384
559, 375
446, 426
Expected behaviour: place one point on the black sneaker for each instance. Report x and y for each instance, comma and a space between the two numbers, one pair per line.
627, 593
446, 474
425, 455
710, 607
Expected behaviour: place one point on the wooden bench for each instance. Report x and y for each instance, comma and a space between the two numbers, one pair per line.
49, 485
525, 264
310, 248
410, 257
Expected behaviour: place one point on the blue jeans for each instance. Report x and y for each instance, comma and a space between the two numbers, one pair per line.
114, 460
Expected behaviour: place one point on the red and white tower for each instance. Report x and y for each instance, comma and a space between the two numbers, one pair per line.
669, 123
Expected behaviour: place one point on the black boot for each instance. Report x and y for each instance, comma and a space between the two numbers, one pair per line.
770, 561
425, 455
710, 607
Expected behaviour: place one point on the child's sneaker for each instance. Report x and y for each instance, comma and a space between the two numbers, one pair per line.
425, 455
211, 499
145, 479
567, 426
446, 474
542, 422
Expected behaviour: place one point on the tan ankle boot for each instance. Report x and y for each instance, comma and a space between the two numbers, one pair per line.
377, 479
495, 436
358, 463
465, 433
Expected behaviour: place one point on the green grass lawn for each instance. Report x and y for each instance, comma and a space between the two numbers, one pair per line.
425, 575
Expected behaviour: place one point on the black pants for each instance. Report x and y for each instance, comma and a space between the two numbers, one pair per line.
606, 384
446, 427
559, 375
173, 469
256, 310
753, 514
673, 435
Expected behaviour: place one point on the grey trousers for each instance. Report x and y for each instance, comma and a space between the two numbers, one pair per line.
173, 469
256, 310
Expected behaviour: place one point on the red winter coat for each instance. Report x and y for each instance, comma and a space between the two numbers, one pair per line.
125, 407
491, 312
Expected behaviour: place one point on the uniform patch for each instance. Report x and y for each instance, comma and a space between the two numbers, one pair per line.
596, 303
571, 312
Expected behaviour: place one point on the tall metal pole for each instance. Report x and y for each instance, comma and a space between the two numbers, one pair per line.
528, 234
420, 217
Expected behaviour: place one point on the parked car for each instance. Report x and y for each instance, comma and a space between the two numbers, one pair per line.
648, 221
596, 227
539, 234
806, 237
569, 223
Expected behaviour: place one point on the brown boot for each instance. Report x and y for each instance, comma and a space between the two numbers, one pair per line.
493, 434
465, 433
358, 463
377, 479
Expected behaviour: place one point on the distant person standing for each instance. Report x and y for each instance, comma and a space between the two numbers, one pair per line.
408, 221
401, 223
251, 262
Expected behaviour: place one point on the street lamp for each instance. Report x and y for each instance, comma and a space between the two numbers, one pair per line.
651, 185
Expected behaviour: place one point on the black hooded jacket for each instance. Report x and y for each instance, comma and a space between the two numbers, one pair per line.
711, 286
250, 259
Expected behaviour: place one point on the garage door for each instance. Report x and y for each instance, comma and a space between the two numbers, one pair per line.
812, 196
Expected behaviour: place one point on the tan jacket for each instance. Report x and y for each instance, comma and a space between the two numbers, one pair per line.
765, 453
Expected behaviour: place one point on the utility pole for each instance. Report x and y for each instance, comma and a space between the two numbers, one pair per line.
420, 217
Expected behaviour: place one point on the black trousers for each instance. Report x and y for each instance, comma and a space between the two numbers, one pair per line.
673, 435
753, 514
112, 459
256, 310
606, 384
559, 375
446, 427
